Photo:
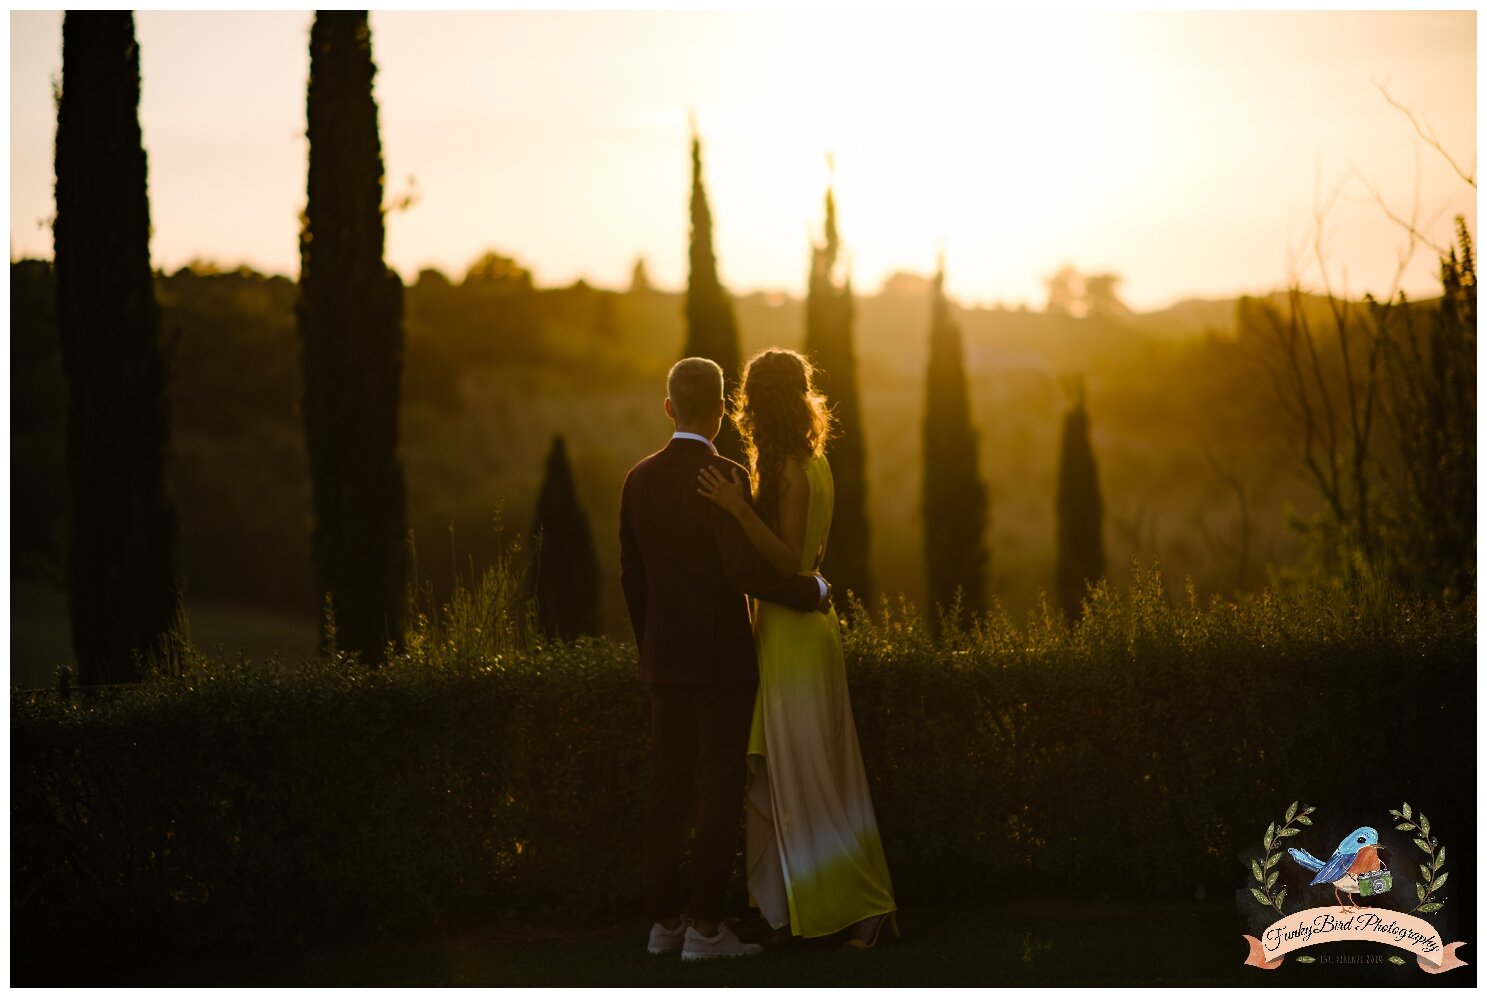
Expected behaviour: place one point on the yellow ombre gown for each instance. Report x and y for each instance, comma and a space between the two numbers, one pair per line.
815, 861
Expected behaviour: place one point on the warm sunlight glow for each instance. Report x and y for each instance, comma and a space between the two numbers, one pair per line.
931, 139
1186, 152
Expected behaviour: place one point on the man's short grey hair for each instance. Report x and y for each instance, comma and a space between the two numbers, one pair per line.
694, 386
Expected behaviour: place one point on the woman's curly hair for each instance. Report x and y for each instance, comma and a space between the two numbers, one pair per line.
779, 414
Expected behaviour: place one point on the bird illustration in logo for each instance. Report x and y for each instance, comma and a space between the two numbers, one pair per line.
1358, 853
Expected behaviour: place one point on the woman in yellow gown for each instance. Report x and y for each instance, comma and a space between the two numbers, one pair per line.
815, 861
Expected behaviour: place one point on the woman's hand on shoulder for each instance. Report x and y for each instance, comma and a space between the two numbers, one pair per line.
728, 493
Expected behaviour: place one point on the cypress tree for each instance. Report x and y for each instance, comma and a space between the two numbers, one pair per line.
1081, 549
350, 315
712, 331
955, 501
564, 572
828, 342
122, 588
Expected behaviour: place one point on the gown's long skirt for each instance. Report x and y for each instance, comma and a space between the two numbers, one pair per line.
815, 860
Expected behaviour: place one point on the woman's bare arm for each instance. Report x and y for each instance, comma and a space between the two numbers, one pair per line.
795, 503
781, 550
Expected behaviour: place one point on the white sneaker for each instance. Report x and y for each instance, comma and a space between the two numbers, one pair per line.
725, 943
666, 941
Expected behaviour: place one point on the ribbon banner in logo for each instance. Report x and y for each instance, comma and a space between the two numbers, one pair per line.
1373, 925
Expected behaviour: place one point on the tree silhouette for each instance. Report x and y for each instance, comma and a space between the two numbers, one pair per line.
1081, 549
640, 278
1065, 291
1431, 403
828, 342
955, 502
503, 271
564, 573
122, 589
712, 331
1100, 298
1323, 358
351, 347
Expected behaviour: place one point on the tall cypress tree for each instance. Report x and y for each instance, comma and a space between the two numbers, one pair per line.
350, 314
1081, 548
955, 501
564, 573
712, 331
828, 342
122, 587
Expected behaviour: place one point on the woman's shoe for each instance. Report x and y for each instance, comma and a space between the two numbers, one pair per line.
886, 923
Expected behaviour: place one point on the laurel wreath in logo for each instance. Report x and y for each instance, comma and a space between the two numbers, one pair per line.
1432, 875
1267, 871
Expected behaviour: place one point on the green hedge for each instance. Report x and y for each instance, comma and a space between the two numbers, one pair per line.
1136, 754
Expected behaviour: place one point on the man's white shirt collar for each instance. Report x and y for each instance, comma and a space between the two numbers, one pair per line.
681, 435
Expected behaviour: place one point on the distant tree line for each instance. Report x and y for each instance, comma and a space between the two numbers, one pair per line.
240, 469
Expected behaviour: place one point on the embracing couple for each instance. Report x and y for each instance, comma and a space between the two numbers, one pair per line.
747, 711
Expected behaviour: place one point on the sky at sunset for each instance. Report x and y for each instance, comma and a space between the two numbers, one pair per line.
1187, 152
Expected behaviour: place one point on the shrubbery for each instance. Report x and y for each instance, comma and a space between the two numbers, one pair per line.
480, 773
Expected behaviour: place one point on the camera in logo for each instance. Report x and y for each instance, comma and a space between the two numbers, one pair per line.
1371, 884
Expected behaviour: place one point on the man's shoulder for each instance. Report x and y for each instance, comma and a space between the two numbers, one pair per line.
671, 463
680, 456
643, 465
724, 464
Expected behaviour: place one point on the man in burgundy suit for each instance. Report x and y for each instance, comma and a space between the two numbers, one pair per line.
685, 566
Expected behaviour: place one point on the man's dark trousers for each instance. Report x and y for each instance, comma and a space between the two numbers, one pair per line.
708, 724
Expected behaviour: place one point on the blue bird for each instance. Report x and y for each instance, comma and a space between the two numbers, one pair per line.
1357, 853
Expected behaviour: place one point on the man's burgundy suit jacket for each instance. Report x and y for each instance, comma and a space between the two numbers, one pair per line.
685, 564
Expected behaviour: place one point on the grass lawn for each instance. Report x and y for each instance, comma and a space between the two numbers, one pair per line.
1004, 942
